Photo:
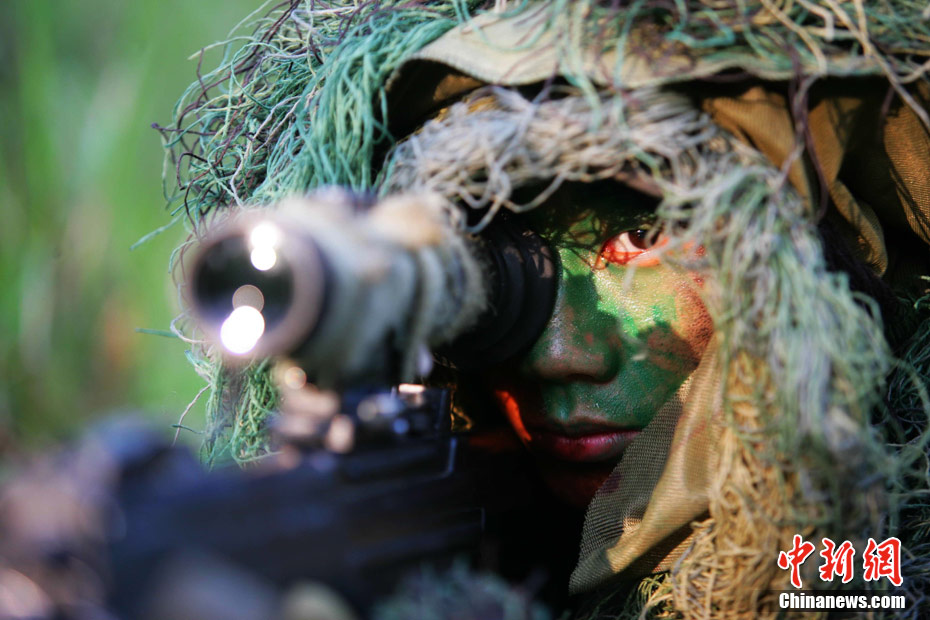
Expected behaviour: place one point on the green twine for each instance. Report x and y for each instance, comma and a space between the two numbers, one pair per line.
288, 109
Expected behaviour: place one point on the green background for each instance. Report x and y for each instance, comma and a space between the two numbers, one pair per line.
81, 82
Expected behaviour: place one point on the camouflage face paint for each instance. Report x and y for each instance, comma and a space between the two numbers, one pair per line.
627, 330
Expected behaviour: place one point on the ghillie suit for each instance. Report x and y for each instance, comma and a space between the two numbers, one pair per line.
762, 127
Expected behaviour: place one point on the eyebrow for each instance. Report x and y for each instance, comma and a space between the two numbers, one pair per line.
615, 208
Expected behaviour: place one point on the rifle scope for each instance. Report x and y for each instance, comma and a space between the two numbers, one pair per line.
356, 294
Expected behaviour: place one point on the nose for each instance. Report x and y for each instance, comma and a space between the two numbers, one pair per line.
580, 342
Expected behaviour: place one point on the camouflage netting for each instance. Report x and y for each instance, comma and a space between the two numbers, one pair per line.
801, 364
289, 110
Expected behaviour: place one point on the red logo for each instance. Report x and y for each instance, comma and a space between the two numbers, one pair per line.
883, 560
795, 558
879, 560
837, 562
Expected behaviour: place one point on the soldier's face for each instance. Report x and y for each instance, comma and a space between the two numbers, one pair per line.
625, 333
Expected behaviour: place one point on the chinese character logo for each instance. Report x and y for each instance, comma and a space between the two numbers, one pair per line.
883, 560
879, 560
794, 558
837, 561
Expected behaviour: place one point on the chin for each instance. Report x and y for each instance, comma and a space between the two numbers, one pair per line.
574, 483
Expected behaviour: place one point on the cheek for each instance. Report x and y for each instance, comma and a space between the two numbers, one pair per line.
678, 346
696, 326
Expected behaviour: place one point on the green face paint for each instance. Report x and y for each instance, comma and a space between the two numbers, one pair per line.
626, 332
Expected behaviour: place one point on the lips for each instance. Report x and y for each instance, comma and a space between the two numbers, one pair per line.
588, 439
590, 447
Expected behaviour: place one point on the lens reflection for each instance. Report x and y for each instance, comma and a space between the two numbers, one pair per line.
227, 280
263, 258
248, 295
264, 239
242, 329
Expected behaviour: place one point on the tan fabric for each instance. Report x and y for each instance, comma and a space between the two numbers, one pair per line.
875, 170
636, 519
536, 45
907, 144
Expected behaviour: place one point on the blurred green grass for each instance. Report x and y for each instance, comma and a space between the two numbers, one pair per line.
80, 182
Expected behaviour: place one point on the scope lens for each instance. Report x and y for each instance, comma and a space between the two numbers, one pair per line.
244, 285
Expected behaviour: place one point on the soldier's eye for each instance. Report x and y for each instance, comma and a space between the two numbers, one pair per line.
633, 247
640, 238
